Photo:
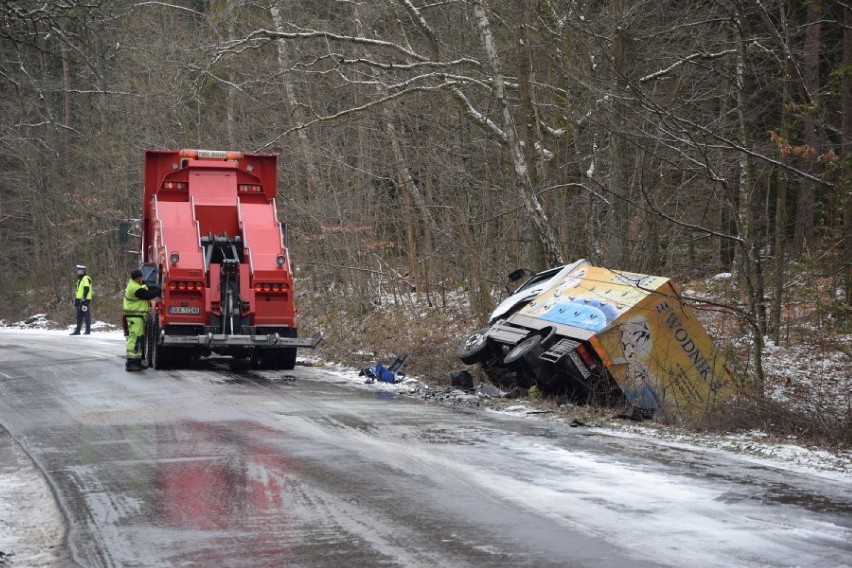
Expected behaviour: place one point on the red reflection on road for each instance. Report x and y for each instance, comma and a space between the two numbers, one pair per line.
223, 477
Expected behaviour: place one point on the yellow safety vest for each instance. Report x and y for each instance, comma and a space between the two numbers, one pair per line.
86, 280
132, 305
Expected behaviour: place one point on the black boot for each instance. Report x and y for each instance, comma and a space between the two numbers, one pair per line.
75, 332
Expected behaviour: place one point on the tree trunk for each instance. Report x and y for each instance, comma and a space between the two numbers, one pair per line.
411, 191
748, 265
804, 235
780, 252
529, 122
313, 180
66, 83
230, 116
526, 191
846, 174
619, 152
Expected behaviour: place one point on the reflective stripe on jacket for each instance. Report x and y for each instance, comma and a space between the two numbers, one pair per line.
80, 293
132, 305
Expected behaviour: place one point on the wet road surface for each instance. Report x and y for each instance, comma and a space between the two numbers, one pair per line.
212, 468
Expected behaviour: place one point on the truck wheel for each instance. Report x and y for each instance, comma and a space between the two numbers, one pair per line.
149, 338
285, 359
517, 359
274, 359
475, 348
161, 357
157, 356
156, 351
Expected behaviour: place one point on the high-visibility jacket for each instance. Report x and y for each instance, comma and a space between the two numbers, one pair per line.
84, 288
132, 305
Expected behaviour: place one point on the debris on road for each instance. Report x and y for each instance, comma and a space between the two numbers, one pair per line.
461, 379
392, 374
486, 389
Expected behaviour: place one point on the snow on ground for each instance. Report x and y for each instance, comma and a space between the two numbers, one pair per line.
40, 322
31, 525
810, 376
751, 445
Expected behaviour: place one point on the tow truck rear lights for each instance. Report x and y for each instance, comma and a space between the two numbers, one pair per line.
271, 287
210, 155
249, 188
175, 185
184, 286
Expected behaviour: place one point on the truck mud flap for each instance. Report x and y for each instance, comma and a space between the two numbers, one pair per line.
272, 340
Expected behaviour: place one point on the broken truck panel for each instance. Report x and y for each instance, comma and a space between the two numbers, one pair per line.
527, 291
595, 325
662, 358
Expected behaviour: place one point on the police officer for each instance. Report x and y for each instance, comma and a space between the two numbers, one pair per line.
82, 300
137, 302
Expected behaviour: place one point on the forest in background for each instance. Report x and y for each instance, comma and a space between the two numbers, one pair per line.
428, 147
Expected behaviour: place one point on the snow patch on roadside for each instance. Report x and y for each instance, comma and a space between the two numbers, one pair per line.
31, 526
751, 446
41, 323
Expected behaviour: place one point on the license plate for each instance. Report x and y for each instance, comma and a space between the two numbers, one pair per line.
184, 310
580, 365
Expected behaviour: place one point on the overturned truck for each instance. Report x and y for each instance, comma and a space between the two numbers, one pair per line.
599, 334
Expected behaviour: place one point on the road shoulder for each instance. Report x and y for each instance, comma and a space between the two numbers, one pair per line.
32, 527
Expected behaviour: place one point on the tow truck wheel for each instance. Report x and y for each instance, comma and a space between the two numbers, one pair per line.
475, 348
286, 359
157, 356
157, 359
274, 359
149, 338
155, 351
164, 357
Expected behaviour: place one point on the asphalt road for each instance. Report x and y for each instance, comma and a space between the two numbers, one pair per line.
208, 467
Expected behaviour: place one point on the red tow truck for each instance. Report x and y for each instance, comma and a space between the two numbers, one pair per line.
212, 241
